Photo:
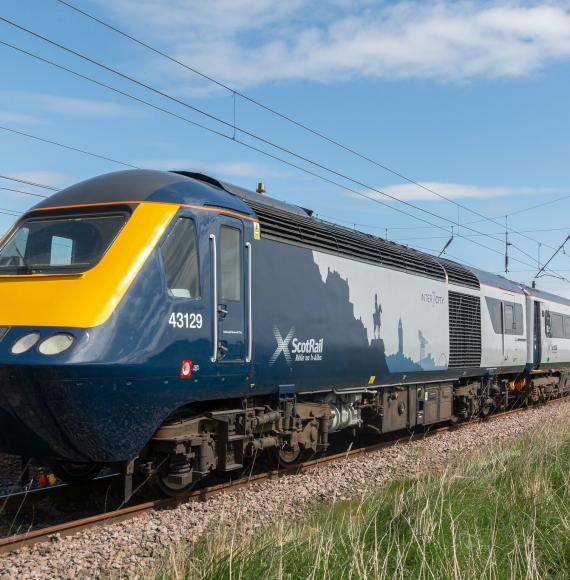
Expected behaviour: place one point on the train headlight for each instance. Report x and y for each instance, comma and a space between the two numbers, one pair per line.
25, 342
56, 343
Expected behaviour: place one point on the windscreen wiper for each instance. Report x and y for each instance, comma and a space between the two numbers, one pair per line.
27, 266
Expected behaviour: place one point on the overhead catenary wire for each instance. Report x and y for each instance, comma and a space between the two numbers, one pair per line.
525, 209
251, 147
232, 138
22, 192
414, 238
552, 257
70, 147
9, 212
206, 128
263, 152
231, 126
509, 214
283, 116
33, 183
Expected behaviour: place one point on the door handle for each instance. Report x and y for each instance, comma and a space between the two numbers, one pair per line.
222, 348
214, 275
249, 305
222, 310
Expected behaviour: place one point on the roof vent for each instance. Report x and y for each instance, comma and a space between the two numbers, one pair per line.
260, 187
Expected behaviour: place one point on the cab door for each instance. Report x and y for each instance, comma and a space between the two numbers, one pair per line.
507, 315
230, 290
537, 335
514, 339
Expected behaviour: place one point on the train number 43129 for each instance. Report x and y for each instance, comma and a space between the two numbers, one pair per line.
185, 320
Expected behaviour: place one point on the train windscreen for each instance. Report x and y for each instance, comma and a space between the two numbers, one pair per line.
61, 244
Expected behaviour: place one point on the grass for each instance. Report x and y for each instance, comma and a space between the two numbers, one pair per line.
503, 513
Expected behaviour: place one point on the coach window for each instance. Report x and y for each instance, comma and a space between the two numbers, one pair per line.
180, 258
230, 263
556, 325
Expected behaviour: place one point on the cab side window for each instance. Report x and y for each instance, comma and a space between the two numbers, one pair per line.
556, 325
180, 258
230, 263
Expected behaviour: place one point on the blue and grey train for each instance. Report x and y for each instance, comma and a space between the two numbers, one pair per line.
174, 324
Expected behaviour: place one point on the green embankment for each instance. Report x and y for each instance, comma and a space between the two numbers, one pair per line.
502, 513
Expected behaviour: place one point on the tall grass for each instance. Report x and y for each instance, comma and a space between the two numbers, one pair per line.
503, 513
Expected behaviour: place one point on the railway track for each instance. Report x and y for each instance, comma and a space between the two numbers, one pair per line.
16, 542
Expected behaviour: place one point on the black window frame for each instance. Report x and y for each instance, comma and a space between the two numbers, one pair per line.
557, 325
173, 224
566, 326
54, 215
550, 327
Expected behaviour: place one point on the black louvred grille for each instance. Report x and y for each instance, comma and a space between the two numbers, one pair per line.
464, 330
285, 226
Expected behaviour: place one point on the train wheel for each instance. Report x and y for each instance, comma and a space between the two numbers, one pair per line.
163, 482
75, 473
289, 456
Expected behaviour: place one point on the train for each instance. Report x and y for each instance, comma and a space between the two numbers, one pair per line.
172, 325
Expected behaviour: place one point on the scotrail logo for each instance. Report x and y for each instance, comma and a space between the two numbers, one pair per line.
304, 350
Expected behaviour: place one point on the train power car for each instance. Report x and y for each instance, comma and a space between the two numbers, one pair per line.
175, 325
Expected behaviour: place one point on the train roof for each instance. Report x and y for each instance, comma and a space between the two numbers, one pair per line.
279, 220
541, 294
496, 280
139, 185
503, 283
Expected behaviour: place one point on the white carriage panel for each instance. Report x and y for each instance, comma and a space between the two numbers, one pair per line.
529, 331
491, 342
412, 312
503, 328
514, 329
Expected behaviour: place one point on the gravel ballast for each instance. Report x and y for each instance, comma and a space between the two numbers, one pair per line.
134, 547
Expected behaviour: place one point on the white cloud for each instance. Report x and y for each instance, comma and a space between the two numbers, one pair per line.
411, 192
19, 118
71, 106
83, 107
51, 178
251, 42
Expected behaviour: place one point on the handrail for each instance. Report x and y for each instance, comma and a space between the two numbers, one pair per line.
249, 304
214, 277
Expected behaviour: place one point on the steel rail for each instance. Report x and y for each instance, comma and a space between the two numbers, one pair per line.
16, 542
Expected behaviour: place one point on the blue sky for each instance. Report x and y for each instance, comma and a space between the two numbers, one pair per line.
469, 98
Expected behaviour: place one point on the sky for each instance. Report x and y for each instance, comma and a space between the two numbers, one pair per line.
467, 99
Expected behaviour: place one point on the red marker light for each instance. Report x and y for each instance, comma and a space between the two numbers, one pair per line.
186, 369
